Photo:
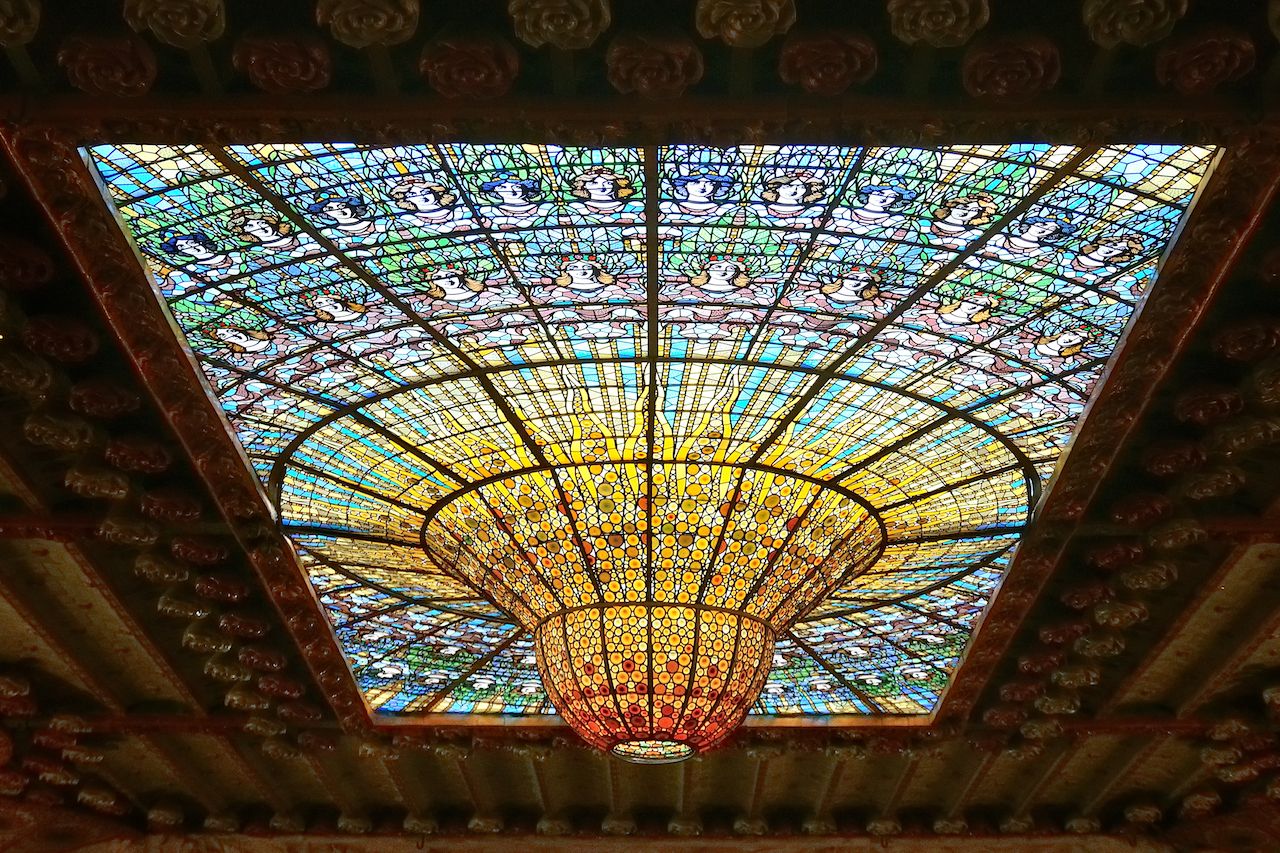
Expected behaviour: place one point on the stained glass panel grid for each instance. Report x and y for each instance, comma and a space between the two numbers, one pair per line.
855, 367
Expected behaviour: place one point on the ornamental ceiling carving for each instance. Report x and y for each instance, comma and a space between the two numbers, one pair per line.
1122, 683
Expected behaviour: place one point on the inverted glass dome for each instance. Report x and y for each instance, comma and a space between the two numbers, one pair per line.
653, 438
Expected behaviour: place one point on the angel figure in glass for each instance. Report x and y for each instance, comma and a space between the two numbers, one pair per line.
198, 254
350, 227
334, 308
579, 279
724, 279
876, 684
722, 275
935, 645
336, 313
858, 285
346, 218
451, 291
923, 677
453, 285
583, 275
841, 301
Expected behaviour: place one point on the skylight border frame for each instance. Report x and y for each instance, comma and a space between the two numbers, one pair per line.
46, 152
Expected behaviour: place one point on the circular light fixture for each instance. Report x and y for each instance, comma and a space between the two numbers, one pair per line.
652, 751
654, 591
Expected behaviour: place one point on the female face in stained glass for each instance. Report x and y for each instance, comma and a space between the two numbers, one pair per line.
198, 247
265, 229
1065, 343
966, 211
583, 274
968, 311
416, 195
346, 212
820, 683
793, 189
883, 199
921, 674
702, 188
722, 275
331, 308
601, 185
243, 340
512, 192
1108, 251
856, 284
453, 285
926, 639
1041, 231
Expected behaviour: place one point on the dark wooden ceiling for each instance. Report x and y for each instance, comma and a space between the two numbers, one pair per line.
1125, 689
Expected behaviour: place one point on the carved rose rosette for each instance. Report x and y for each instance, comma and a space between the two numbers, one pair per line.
181, 23
565, 24
1134, 22
1201, 63
1016, 68
658, 67
1248, 340
744, 23
1172, 457
284, 66
61, 338
1207, 405
827, 63
470, 66
23, 265
939, 23
365, 23
19, 20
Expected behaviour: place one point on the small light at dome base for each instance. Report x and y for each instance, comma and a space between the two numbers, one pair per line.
652, 751
795, 499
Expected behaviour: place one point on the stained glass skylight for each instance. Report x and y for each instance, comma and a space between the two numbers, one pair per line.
494, 390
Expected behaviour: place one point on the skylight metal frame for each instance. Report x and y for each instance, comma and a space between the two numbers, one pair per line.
49, 163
